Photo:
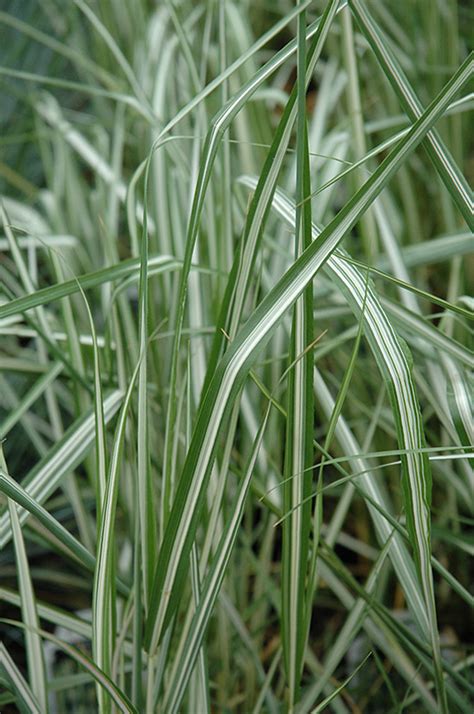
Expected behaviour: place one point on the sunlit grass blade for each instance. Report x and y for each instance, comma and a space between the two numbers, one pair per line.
146, 518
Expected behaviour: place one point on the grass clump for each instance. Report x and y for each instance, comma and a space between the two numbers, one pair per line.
236, 327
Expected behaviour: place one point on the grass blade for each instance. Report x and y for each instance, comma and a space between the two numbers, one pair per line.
34, 647
300, 410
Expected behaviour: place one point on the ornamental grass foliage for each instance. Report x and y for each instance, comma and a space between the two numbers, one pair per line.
236, 326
